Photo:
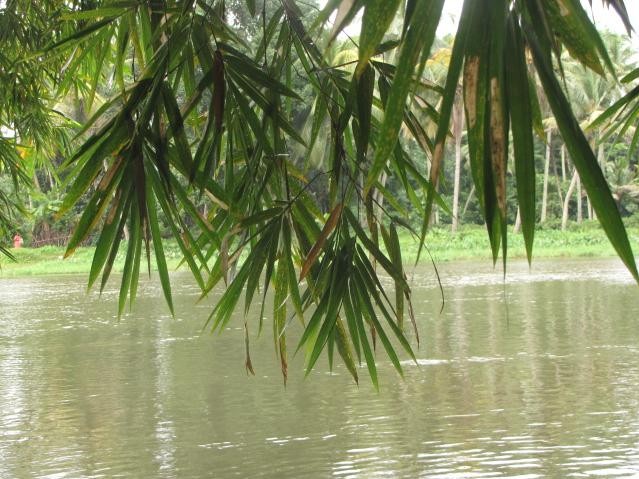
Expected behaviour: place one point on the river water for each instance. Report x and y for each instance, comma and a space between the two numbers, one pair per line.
535, 378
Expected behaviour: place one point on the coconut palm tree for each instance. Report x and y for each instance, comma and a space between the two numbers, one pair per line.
592, 94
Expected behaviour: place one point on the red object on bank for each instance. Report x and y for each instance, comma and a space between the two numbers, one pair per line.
17, 241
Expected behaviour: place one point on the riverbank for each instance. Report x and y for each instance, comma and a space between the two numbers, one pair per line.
48, 260
470, 242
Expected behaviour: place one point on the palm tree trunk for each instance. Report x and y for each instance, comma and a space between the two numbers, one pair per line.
544, 198
458, 120
563, 163
579, 201
517, 226
555, 173
601, 160
470, 197
571, 188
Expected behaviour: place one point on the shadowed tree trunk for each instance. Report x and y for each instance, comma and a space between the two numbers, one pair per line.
555, 173
544, 198
458, 123
600, 159
470, 197
579, 201
571, 188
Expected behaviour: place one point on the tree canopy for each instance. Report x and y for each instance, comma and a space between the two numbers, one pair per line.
260, 136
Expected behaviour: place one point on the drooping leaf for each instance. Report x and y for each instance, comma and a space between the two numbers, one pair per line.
521, 120
585, 161
378, 15
419, 37
315, 251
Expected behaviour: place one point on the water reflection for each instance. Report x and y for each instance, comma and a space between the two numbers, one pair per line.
538, 378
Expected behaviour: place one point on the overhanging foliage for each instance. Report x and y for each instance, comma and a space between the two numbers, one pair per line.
229, 101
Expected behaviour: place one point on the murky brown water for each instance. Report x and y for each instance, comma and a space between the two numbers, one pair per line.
546, 385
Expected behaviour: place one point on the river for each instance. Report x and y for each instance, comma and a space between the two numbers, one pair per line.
534, 377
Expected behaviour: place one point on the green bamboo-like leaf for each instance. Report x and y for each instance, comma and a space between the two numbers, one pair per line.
7, 254
391, 240
293, 286
419, 37
261, 216
265, 104
244, 66
369, 356
378, 15
371, 280
633, 75
176, 123
268, 34
97, 76
80, 34
351, 322
110, 261
135, 274
99, 113
369, 312
106, 239
521, 116
97, 13
258, 258
497, 133
159, 249
390, 268
320, 108
224, 308
535, 108
250, 4
270, 266
615, 109
391, 198
578, 34
135, 239
329, 226
344, 348
95, 208
86, 171
338, 282
583, 157
279, 311
180, 231
339, 272
476, 96
314, 323
121, 44
364, 85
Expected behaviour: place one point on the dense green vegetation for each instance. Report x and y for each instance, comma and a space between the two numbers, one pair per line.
278, 154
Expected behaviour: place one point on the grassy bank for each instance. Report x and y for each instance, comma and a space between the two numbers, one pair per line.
50, 260
470, 242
